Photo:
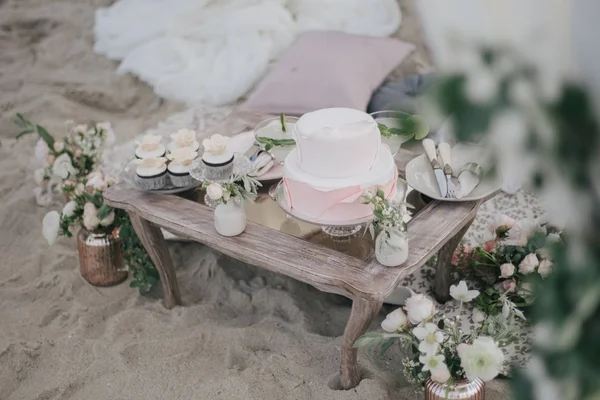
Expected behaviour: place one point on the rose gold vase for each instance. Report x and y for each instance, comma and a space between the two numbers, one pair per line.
463, 390
100, 258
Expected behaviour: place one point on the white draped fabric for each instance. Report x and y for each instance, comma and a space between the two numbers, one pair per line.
214, 51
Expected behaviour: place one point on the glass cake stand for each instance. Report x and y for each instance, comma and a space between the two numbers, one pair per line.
335, 229
266, 131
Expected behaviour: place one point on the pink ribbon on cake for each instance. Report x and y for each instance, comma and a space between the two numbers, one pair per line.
316, 203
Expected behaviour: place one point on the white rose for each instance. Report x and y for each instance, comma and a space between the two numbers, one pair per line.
39, 175
184, 137
501, 221
108, 220
483, 359
50, 226
507, 270
462, 293
394, 321
545, 268
419, 308
544, 253
109, 133
69, 209
441, 374
478, 316
59, 146
522, 231
63, 166
96, 181
553, 238
82, 128
214, 191
528, 264
90, 217
41, 153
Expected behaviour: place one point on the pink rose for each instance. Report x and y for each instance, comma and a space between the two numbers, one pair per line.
77, 153
489, 245
509, 286
51, 159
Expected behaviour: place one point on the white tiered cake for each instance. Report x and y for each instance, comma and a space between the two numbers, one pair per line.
338, 155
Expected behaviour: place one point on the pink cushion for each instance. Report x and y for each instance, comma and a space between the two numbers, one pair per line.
327, 69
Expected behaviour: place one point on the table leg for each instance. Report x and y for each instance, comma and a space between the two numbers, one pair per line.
156, 246
443, 273
363, 312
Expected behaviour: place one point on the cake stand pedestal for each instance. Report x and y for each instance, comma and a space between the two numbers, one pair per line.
338, 231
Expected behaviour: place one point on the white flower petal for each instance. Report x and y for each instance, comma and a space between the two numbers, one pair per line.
51, 226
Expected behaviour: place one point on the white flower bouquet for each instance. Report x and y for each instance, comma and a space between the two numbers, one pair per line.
72, 158
241, 188
388, 214
440, 349
85, 208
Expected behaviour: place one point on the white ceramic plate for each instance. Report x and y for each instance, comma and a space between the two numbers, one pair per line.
242, 143
420, 176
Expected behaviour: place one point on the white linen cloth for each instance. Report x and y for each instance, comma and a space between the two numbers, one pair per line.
214, 51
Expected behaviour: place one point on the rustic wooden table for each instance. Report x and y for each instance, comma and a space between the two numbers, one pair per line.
299, 250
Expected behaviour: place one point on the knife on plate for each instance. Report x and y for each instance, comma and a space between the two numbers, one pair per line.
437, 169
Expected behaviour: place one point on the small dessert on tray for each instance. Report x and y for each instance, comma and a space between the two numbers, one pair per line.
184, 138
151, 173
179, 167
150, 147
217, 157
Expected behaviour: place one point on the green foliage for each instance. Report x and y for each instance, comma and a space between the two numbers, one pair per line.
29, 127
143, 271
413, 126
567, 306
268, 143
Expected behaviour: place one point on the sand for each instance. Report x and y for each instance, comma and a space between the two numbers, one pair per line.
242, 334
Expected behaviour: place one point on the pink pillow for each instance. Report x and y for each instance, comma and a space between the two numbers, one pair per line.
327, 69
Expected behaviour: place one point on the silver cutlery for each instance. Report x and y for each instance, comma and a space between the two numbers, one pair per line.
437, 170
446, 156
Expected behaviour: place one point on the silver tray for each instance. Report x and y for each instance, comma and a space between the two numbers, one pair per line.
130, 177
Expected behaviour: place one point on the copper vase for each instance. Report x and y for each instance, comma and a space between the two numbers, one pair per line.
101, 258
463, 390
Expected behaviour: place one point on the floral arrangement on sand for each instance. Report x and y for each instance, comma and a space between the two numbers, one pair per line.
439, 348
71, 166
71, 158
84, 209
515, 257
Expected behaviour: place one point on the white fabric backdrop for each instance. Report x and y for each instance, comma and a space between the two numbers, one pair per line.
203, 51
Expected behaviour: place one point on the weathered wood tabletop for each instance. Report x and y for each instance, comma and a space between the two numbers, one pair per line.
438, 227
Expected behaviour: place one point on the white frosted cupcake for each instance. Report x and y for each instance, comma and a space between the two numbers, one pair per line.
217, 157
179, 167
150, 147
184, 138
152, 173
